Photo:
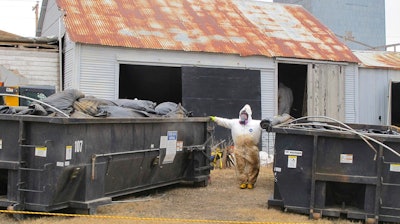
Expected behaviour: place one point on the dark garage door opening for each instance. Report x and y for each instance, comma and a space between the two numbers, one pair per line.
294, 76
155, 83
395, 105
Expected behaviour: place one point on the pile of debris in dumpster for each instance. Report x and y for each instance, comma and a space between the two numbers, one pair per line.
73, 103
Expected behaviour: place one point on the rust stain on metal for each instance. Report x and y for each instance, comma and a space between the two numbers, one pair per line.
379, 59
238, 27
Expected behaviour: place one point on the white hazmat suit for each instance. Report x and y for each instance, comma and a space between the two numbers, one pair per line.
285, 99
245, 135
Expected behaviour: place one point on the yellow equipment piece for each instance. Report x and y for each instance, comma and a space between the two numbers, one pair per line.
11, 100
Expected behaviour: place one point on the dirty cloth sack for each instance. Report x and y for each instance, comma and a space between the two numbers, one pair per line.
171, 109
34, 109
63, 100
116, 111
143, 105
90, 105
7, 110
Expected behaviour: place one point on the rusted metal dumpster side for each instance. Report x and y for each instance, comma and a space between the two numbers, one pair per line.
47, 164
322, 171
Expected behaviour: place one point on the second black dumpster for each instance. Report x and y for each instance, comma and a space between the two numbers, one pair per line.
329, 169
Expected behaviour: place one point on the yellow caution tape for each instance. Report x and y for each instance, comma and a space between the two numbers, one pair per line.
139, 218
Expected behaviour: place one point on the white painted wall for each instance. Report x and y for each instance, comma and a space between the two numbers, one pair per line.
374, 94
38, 66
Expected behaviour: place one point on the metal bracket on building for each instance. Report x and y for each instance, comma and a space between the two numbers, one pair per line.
95, 156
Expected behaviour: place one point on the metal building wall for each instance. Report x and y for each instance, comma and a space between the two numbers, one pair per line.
70, 62
374, 89
38, 66
269, 105
95, 70
365, 20
51, 25
394, 75
351, 93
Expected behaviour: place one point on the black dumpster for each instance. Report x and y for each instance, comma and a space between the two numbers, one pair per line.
325, 169
47, 164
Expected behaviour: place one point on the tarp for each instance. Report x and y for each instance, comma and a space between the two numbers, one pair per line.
73, 103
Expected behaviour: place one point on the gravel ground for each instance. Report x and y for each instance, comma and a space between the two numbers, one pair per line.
220, 202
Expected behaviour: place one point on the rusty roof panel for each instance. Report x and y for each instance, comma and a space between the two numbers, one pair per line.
379, 59
219, 26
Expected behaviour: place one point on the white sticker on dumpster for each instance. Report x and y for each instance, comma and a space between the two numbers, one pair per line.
41, 151
1, 143
346, 158
163, 142
68, 152
292, 162
172, 137
395, 167
293, 153
179, 146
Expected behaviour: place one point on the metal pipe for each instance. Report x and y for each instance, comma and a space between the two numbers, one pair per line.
339, 122
95, 156
357, 133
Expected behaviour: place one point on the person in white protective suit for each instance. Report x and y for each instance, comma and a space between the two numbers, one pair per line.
285, 99
246, 134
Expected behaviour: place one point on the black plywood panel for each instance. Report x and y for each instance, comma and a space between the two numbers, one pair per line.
221, 92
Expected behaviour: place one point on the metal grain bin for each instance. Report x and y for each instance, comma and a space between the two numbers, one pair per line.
48, 164
323, 171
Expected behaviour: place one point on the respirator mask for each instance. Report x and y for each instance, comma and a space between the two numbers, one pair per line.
243, 118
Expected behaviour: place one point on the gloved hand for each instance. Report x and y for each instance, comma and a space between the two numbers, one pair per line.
212, 118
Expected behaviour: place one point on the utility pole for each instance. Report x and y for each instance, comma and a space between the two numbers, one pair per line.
36, 9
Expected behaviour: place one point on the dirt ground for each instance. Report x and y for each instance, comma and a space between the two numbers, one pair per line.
220, 202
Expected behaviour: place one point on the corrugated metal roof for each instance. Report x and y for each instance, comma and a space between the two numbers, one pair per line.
10, 36
243, 27
379, 59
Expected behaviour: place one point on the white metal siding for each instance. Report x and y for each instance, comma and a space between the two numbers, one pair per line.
40, 67
97, 76
351, 93
394, 75
268, 105
374, 89
51, 20
69, 62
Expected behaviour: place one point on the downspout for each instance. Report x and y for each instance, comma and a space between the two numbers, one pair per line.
60, 50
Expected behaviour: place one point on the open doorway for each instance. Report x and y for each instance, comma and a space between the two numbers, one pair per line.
395, 105
294, 76
155, 83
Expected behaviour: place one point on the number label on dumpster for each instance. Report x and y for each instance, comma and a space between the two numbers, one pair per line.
78, 145
1, 143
